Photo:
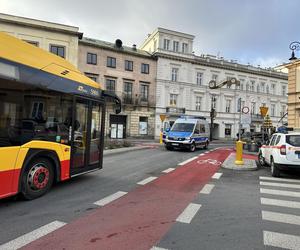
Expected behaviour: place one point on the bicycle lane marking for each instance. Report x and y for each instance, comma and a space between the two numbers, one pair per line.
139, 219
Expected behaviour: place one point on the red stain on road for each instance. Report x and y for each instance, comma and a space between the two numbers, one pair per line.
139, 219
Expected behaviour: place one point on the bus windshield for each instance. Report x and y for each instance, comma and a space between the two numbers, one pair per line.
183, 127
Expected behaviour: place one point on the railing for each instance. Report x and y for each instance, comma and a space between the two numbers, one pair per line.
136, 99
257, 118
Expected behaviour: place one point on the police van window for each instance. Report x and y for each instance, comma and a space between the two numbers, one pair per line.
202, 128
278, 139
272, 143
197, 131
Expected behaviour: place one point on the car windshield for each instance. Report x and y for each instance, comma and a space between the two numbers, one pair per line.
183, 127
293, 140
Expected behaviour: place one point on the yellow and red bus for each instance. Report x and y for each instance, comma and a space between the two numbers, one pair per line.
51, 120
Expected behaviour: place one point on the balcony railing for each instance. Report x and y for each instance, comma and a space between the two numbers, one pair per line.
257, 118
136, 99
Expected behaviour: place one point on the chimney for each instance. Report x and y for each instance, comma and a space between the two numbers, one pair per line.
134, 47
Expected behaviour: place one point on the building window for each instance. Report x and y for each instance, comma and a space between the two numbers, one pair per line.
252, 85
198, 103
175, 46
128, 65
228, 105
199, 78
111, 62
184, 48
257, 88
34, 43
283, 110
91, 58
253, 108
145, 68
143, 125
94, 77
128, 92
144, 92
263, 87
57, 50
272, 109
174, 75
273, 89
214, 102
111, 85
284, 90
173, 100
242, 85
267, 89
166, 44
247, 87
214, 77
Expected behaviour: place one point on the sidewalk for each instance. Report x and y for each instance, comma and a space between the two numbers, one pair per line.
125, 149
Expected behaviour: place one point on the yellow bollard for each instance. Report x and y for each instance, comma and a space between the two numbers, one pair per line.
239, 153
161, 138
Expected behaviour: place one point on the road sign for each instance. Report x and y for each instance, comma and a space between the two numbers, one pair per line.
162, 117
263, 111
245, 119
245, 110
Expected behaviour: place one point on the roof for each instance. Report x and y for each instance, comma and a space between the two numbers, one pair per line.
112, 46
18, 51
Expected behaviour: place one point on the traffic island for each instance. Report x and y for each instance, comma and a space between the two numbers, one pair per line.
249, 164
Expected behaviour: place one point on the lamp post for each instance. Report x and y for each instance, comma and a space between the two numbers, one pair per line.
294, 46
212, 115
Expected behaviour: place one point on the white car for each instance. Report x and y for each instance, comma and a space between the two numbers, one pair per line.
282, 153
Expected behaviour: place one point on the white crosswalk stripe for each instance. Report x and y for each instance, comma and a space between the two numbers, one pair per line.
286, 211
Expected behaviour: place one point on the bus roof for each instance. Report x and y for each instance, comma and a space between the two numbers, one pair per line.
21, 52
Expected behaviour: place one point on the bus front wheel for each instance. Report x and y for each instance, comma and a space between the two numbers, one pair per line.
37, 178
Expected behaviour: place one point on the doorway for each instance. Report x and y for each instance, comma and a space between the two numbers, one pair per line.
118, 126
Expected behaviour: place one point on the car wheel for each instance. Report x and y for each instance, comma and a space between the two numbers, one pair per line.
37, 178
193, 147
274, 170
261, 160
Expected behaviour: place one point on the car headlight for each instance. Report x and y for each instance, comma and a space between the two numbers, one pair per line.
188, 138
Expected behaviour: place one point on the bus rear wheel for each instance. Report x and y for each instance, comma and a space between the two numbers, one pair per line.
37, 178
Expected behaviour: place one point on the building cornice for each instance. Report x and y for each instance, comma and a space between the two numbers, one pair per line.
224, 65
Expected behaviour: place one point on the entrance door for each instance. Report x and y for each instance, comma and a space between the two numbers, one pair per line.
117, 126
87, 136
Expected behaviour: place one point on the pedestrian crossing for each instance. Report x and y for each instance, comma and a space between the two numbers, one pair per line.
280, 200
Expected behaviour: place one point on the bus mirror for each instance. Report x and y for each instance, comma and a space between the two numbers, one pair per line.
115, 98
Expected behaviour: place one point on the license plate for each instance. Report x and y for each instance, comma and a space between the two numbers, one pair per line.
175, 144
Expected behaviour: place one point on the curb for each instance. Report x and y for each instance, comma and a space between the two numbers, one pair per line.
124, 150
250, 165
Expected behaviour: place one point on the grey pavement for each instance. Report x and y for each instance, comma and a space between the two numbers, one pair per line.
249, 164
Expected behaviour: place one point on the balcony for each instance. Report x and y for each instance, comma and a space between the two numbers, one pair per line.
135, 99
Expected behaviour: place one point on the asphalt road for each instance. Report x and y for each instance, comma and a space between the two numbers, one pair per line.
243, 210
71, 199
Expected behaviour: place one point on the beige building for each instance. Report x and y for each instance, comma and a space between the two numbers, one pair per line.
294, 94
57, 38
131, 74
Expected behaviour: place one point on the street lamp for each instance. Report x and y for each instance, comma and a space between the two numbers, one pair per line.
294, 46
212, 115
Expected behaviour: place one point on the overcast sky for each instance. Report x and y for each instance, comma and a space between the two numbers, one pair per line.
254, 31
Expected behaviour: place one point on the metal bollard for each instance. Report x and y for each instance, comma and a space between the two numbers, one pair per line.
239, 153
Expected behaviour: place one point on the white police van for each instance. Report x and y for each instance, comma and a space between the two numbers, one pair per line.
188, 132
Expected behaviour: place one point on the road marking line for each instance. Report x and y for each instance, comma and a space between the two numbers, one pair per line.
201, 154
188, 213
158, 248
286, 241
278, 179
110, 198
168, 170
276, 184
217, 175
279, 192
207, 189
280, 203
187, 161
32, 236
280, 217
147, 180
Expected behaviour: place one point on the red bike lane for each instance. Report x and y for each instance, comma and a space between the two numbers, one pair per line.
139, 219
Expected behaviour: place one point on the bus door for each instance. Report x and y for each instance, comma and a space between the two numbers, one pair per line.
87, 136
